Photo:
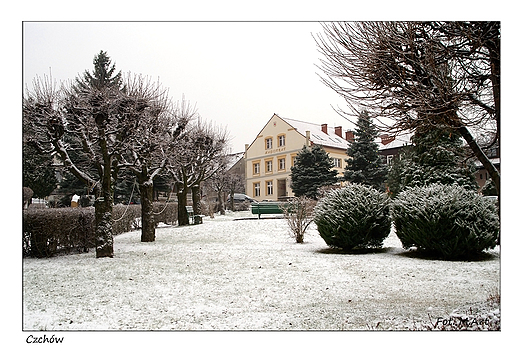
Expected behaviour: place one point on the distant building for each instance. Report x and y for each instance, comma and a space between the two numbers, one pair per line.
269, 158
390, 146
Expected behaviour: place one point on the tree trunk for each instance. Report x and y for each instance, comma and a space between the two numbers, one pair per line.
197, 200
103, 218
147, 216
220, 204
182, 201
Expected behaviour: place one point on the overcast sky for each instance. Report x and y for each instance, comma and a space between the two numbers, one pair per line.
237, 73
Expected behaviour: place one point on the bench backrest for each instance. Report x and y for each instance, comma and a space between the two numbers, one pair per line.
189, 209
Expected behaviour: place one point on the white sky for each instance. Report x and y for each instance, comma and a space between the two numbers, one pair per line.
237, 73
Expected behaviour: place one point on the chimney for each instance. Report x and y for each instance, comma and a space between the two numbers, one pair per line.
349, 136
324, 128
339, 131
385, 139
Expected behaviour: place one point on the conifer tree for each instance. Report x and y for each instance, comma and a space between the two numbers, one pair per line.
436, 156
38, 172
364, 165
313, 168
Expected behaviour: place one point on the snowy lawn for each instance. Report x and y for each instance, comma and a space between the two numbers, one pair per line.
247, 275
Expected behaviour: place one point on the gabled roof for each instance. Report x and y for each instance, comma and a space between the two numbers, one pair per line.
317, 136
233, 159
400, 140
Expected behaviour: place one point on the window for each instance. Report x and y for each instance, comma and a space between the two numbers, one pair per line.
337, 162
256, 187
293, 160
269, 187
281, 140
281, 164
256, 168
269, 166
268, 143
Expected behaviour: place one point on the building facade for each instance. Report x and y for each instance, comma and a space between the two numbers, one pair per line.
268, 159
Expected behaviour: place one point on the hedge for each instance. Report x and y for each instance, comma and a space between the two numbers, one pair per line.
65, 230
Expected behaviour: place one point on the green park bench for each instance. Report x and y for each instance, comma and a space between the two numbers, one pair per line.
266, 208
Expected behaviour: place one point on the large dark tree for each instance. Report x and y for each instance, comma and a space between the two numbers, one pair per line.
436, 156
364, 165
313, 168
419, 74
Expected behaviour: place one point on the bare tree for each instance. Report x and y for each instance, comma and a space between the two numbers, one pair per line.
154, 131
235, 185
91, 124
413, 74
82, 127
201, 153
219, 183
299, 215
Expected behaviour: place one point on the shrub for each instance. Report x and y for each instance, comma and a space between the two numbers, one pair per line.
445, 220
354, 217
46, 231
299, 215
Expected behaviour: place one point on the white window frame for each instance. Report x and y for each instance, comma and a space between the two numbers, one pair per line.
256, 189
269, 166
281, 164
269, 188
281, 140
256, 168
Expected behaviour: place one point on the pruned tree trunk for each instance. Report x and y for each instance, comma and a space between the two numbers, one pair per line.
197, 199
103, 218
147, 216
182, 201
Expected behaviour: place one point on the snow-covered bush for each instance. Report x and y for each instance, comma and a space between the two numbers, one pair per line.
446, 221
353, 217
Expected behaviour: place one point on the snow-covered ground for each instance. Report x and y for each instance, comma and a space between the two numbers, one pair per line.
250, 275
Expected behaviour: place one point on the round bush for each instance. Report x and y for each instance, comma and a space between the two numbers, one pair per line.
446, 221
354, 217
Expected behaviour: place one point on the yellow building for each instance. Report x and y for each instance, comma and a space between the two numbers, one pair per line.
269, 158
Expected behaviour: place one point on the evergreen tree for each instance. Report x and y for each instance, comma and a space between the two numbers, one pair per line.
38, 172
364, 165
103, 76
312, 169
436, 156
